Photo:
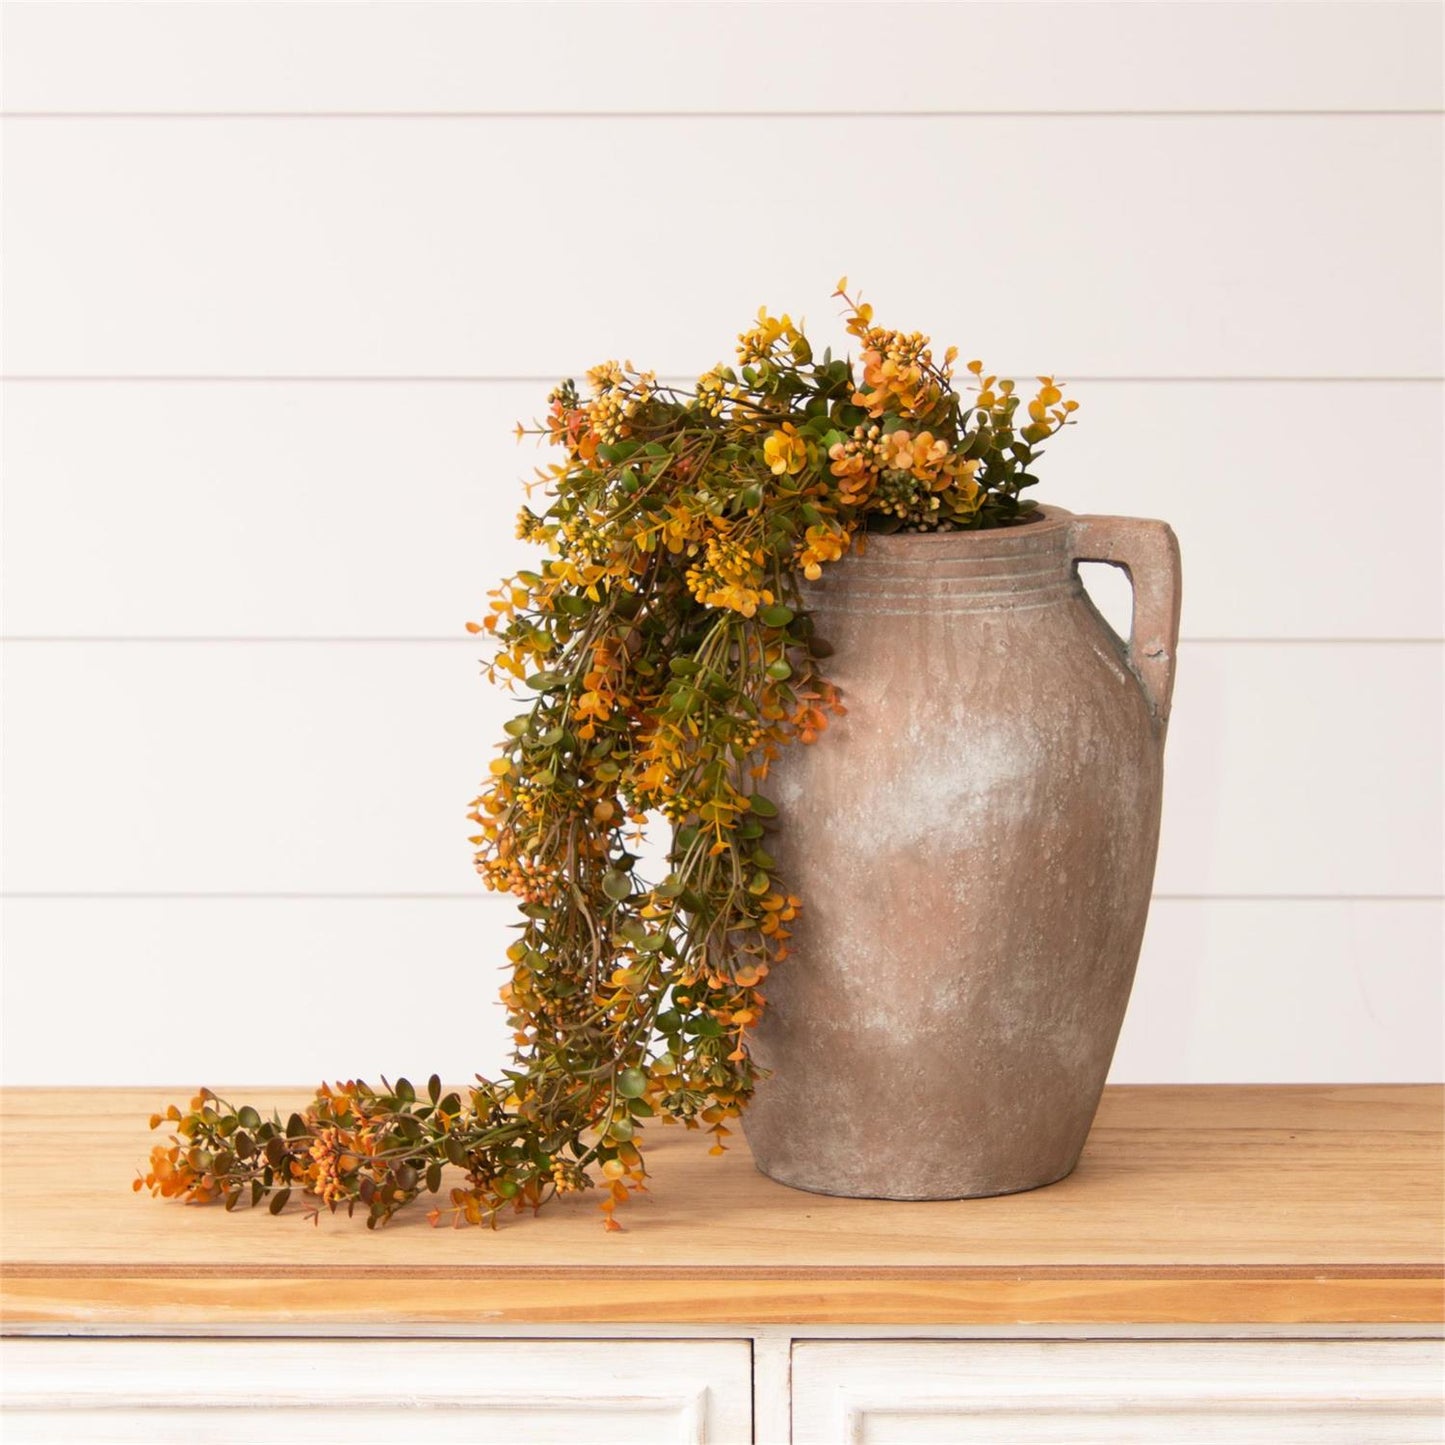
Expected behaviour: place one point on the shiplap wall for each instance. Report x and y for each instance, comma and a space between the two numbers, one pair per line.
280, 277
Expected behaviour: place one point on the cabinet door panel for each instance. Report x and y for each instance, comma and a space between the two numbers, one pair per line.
377, 1392
1147, 1392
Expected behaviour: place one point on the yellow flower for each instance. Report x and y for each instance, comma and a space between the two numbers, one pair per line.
820, 545
756, 345
785, 451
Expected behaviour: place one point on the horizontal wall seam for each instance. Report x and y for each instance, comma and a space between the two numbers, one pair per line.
446, 640
480, 896
1215, 113
550, 379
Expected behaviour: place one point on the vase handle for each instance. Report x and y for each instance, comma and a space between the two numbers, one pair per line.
1148, 551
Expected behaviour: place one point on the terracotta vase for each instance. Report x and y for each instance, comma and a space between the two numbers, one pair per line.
974, 844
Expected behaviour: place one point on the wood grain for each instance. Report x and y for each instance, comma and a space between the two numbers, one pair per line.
1205, 1204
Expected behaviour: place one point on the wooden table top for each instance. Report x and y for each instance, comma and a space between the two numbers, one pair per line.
1192, 1205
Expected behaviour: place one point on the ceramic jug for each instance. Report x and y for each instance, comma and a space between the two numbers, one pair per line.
974, 845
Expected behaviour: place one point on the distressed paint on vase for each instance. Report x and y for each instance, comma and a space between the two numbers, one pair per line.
974, 843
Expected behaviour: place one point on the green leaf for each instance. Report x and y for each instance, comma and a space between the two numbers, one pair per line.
405, 1092
249, 1118
434, 1088
776, 615
616, 886
763, 807
278, 1201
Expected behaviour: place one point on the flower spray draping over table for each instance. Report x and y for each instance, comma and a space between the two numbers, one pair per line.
667, 658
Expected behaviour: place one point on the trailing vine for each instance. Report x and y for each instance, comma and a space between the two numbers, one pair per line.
666, 656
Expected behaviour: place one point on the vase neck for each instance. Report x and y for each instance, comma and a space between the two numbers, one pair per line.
1027, 566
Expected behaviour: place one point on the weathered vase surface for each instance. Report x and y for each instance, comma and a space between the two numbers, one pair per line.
974, 845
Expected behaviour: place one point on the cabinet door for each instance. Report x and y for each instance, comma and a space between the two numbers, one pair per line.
366, 1392
1163, 1392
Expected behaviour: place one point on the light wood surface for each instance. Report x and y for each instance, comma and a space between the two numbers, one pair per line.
1206, 1204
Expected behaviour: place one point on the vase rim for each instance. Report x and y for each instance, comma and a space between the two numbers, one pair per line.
1051, 521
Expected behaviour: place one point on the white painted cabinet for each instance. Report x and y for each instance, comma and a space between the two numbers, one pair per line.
621, 1390
377, 1392
1153, 1392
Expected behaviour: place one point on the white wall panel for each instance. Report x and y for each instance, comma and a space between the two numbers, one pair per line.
370, 510
1304, 770
347, 768
1258, 991
363, 987
1276, 991
722, 57
268, 767
1109, 245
